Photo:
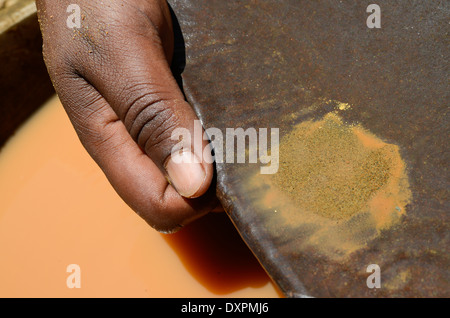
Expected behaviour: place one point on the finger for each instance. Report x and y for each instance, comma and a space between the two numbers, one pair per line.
135, 79
72, 56
130, 171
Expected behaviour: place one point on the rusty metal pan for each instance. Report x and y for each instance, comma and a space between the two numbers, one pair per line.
295, 64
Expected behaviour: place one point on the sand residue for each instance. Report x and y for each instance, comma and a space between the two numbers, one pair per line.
332, 169
338, 182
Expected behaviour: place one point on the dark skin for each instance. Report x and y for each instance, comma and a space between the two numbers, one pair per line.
113, 77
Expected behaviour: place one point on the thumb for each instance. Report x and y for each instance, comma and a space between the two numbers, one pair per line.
134, 77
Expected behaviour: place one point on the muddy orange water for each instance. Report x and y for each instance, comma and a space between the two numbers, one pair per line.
57, 209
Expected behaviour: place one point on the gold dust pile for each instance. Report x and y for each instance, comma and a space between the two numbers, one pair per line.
327, 169
339, 179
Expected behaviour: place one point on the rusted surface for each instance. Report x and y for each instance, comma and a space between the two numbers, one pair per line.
280, 63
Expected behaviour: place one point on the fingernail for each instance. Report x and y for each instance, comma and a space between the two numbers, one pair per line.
186, 173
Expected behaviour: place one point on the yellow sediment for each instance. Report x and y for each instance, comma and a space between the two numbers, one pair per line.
339, 180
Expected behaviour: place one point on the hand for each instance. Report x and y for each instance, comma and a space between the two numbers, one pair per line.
113, 77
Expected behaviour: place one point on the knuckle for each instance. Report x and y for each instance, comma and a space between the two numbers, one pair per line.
152, 122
